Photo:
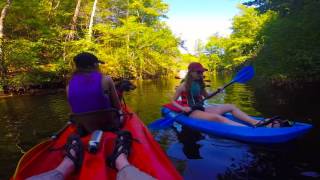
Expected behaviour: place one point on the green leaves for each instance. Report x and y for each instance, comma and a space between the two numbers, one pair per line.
244, 42
290, 51
127, 34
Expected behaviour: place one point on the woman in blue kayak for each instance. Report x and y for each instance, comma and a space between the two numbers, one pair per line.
89, 91
192, 91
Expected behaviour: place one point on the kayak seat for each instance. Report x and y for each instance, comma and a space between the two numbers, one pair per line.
122, 145
105, 120
74, 143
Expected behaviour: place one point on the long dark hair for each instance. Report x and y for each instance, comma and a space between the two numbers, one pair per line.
188, 80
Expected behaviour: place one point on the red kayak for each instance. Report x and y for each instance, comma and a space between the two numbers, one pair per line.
146, 155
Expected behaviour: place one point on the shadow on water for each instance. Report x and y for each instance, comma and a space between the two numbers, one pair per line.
25, 121
206, 157
147, 99
200, 156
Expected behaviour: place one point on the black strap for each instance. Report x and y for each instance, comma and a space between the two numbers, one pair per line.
267, 121
282, 121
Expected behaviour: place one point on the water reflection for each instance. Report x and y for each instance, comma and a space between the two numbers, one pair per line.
25, 121
189, 139
207, 157
147, 99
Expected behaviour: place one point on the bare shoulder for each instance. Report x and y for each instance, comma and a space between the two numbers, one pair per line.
105, 80
181, 87
67, 89
108, 79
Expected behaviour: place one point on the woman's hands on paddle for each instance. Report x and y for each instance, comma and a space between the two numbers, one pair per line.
186, 109
220, 89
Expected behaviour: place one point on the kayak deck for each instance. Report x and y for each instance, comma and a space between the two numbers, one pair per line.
146, 155
242, 133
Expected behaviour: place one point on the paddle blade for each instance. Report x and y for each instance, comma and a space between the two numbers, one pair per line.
162, 123
244, 75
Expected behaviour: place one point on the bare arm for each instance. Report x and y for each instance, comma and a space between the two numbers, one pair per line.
178, 92
67, 90
204, 93
108, 85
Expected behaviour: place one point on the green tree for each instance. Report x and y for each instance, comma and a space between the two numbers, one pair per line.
290, 50
3, 65
43, 36
244, 42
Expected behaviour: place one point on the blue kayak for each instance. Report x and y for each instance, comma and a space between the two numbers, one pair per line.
242, 133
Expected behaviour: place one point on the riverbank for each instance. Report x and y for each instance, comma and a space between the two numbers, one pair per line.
33, 92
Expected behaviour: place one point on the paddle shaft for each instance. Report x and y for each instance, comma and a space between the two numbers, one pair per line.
242, 76
217, 91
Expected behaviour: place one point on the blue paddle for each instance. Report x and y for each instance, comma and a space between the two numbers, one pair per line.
244, 75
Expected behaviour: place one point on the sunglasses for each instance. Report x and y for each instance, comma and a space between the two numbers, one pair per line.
199, 72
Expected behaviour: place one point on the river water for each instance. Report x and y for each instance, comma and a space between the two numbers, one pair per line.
25, 121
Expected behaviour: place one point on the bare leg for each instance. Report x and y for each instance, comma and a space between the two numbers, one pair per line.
224, 108
129, 172
66, 167
213, 117
60, 172
122, 161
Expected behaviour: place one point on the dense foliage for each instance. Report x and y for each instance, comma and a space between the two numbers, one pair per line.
244, 42
279, 37
40, 38
290, 52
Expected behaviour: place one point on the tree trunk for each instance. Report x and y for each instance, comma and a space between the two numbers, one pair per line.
73, 26
3, 70
91, 19
52, 9
128, 34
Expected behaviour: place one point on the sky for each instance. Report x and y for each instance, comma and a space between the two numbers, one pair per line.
192, 20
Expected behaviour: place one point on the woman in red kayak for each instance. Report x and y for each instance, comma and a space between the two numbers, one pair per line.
192, 91
89, 90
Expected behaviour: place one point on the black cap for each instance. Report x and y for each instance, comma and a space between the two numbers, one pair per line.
86, 60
